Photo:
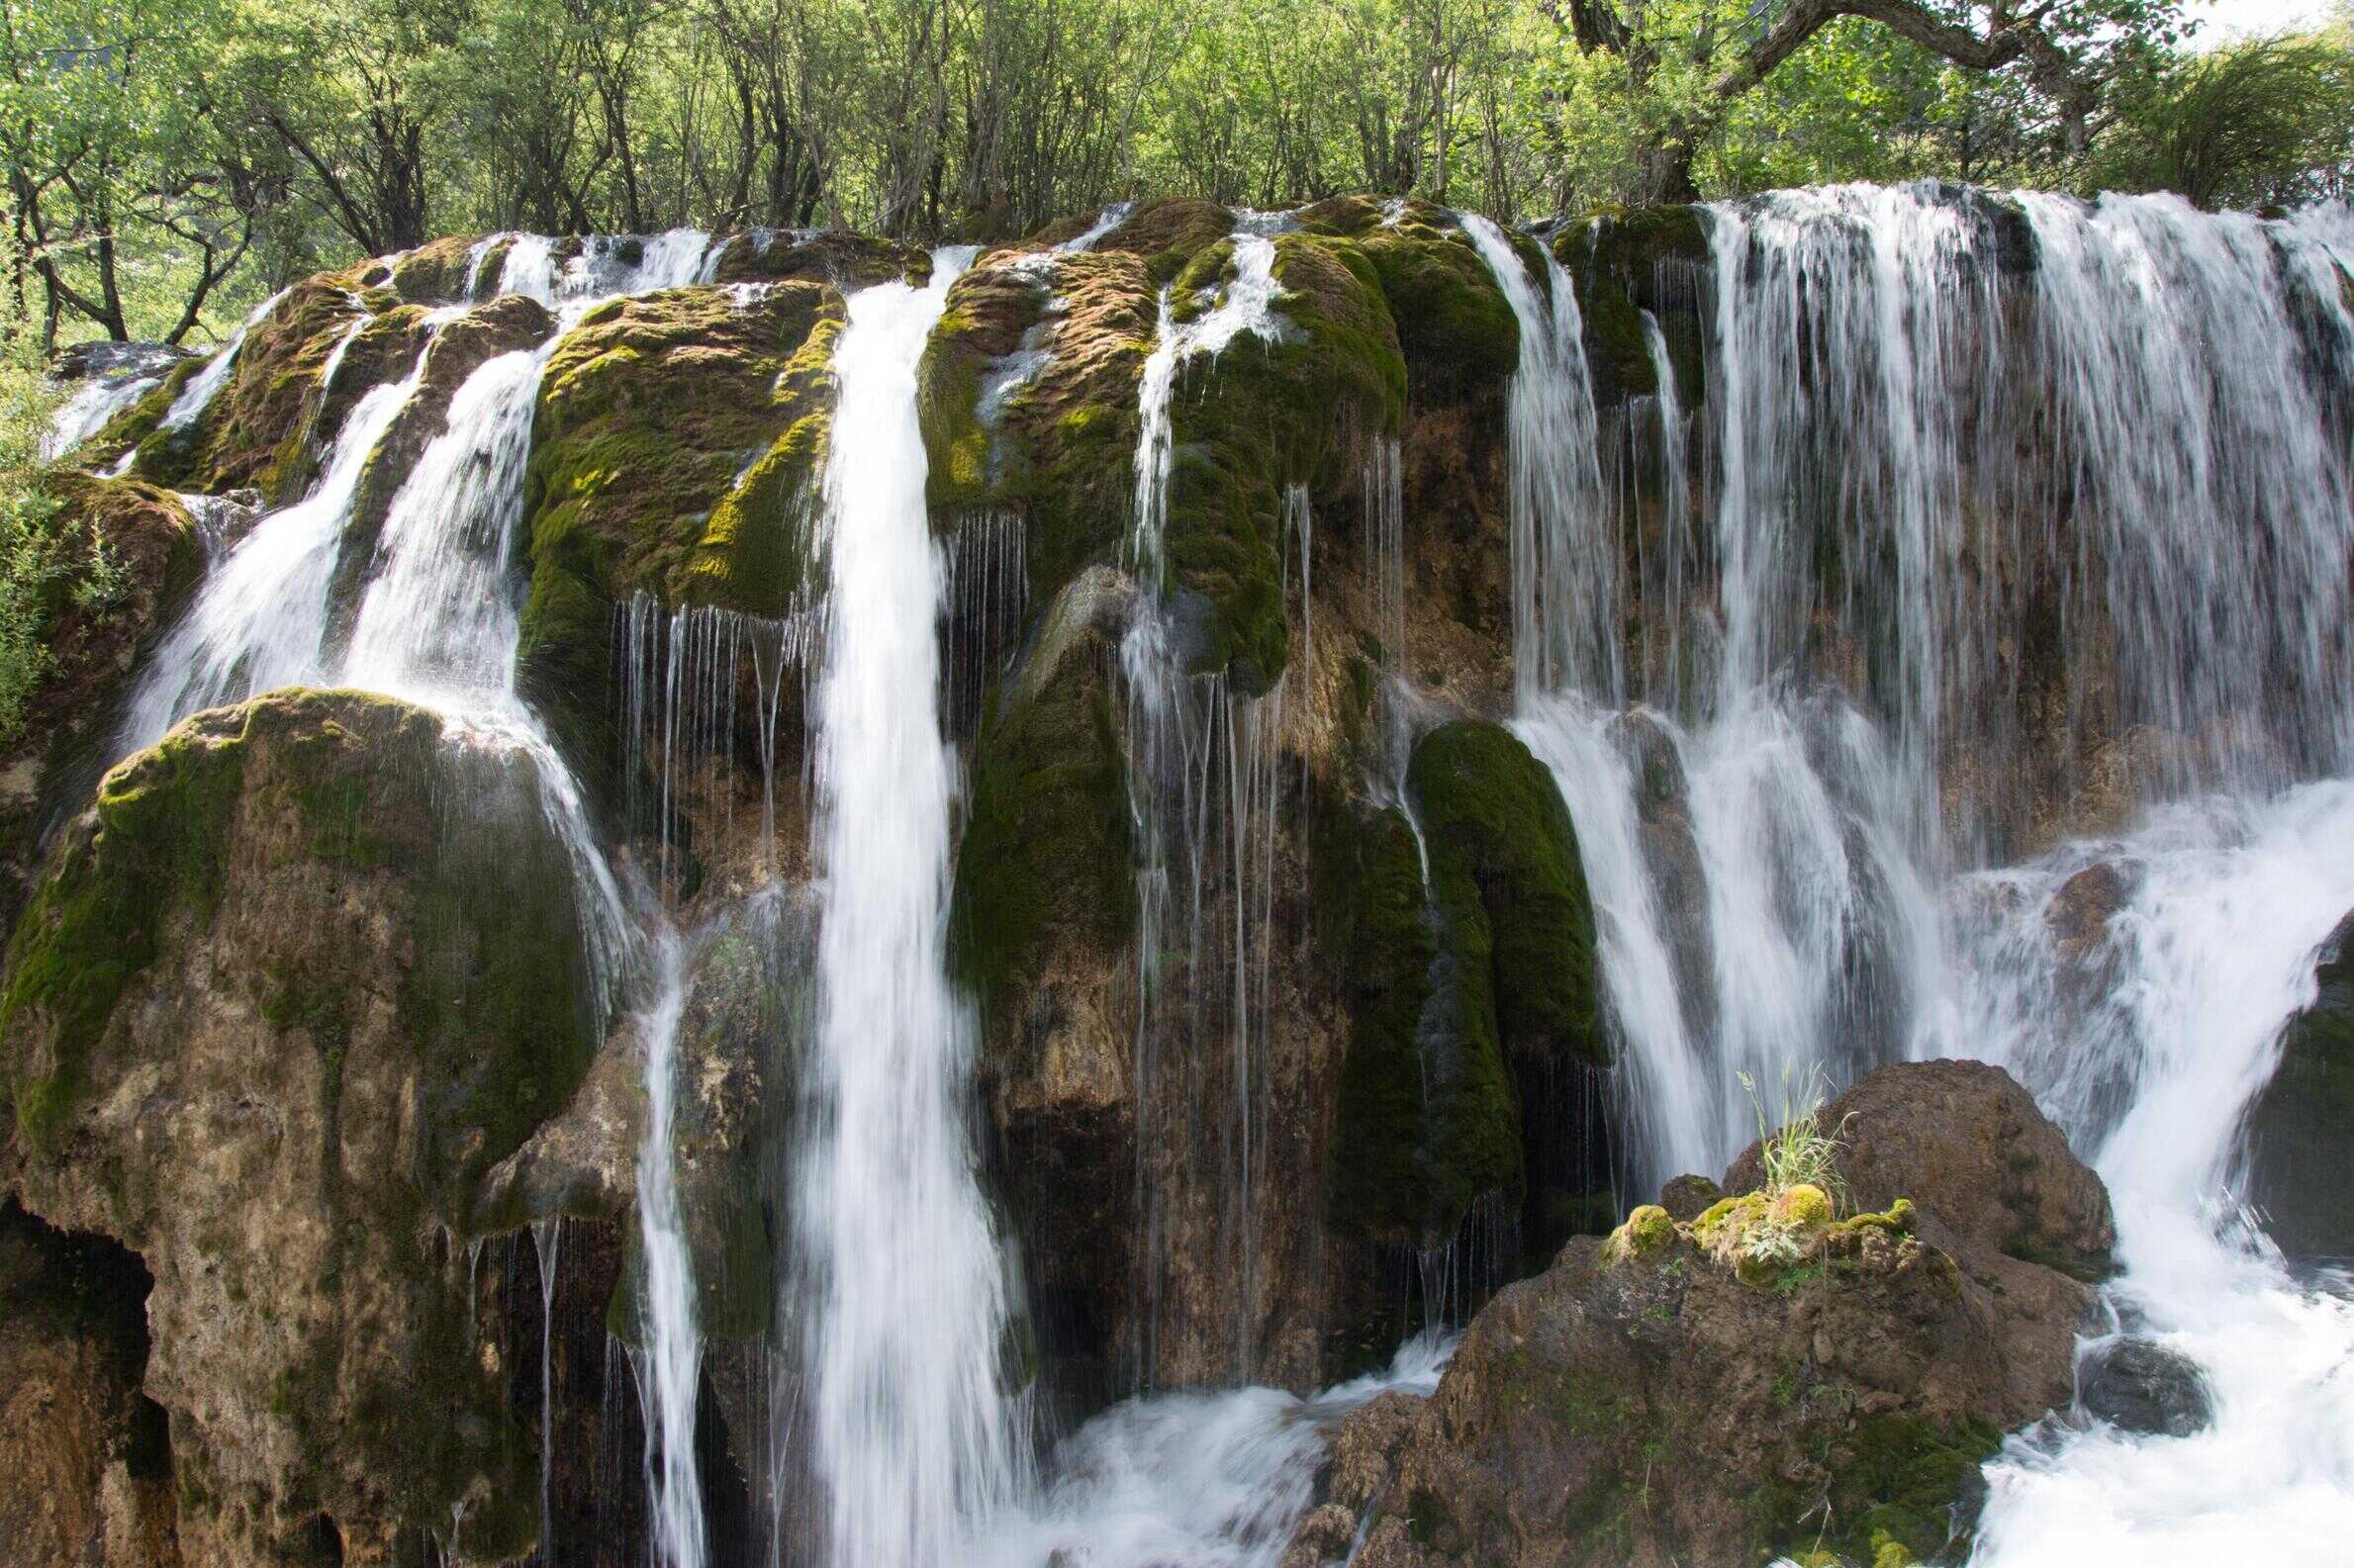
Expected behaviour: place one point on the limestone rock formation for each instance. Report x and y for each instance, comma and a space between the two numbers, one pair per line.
298, 979
1643, 1403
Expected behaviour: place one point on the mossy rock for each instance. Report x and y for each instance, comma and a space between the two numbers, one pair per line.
1624, 264
1045, 866
88, 649
1504, 861
1261, 416
498, 995
1062, 342
435, 273
1390, 1180
1169, 233
133, 425
837, 256
1454, 327
266, 428
676, 440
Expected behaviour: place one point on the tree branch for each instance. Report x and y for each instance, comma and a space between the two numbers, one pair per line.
2006, 39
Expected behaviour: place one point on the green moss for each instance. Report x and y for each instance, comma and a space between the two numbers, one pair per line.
1624, 263
256, 431
496, 997
1646, 1231
1044, 859
1505, 864
676, 437
1456, 328
1369, 886
155, 846
1264, 416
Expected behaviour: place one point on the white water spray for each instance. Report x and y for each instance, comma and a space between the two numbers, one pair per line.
914, 1435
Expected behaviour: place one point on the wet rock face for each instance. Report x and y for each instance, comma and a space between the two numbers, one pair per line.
2300, 1128
297, 979
1642, 1404
2139, 1386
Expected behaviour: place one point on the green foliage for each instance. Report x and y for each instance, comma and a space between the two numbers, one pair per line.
2263, 124
38, 555
180, 158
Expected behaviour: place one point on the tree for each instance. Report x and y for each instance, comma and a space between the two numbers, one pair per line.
1694, 60
2264, 124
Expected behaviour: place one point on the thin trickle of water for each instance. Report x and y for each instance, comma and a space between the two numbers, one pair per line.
1245, 303
546, 1235
914, 1435
1110, 218
1565, 573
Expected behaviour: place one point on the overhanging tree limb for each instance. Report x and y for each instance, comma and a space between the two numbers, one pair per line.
2007, 39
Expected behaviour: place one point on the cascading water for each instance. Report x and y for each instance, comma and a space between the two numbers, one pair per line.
2137, 413
914, 1436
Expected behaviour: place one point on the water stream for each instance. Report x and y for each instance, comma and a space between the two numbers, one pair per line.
914, 1435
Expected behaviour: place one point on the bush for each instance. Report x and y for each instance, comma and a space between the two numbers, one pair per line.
2258, 124
39, 558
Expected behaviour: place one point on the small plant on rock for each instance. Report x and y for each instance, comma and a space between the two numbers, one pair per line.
1800, 1153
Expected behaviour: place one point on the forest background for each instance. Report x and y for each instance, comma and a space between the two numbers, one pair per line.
172, 163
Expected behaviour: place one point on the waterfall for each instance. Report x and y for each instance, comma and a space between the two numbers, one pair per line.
89, 410
259, 621
670, 1357
2110, 438
915, 1436
1565, 592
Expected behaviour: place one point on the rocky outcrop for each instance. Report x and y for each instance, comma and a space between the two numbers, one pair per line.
1645, 1401
673, 452
303, 974
2300, 1126
85, 1461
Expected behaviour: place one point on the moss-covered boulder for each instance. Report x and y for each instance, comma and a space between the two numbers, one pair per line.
1504, 868
1454, 327
130, 556
1028, 402
2300, 1128
1467, 962
676, 440
1426, 1123
435, 273
1642, 1403
1030, 394
849, 261
298, 978
272, 418
1652, 260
